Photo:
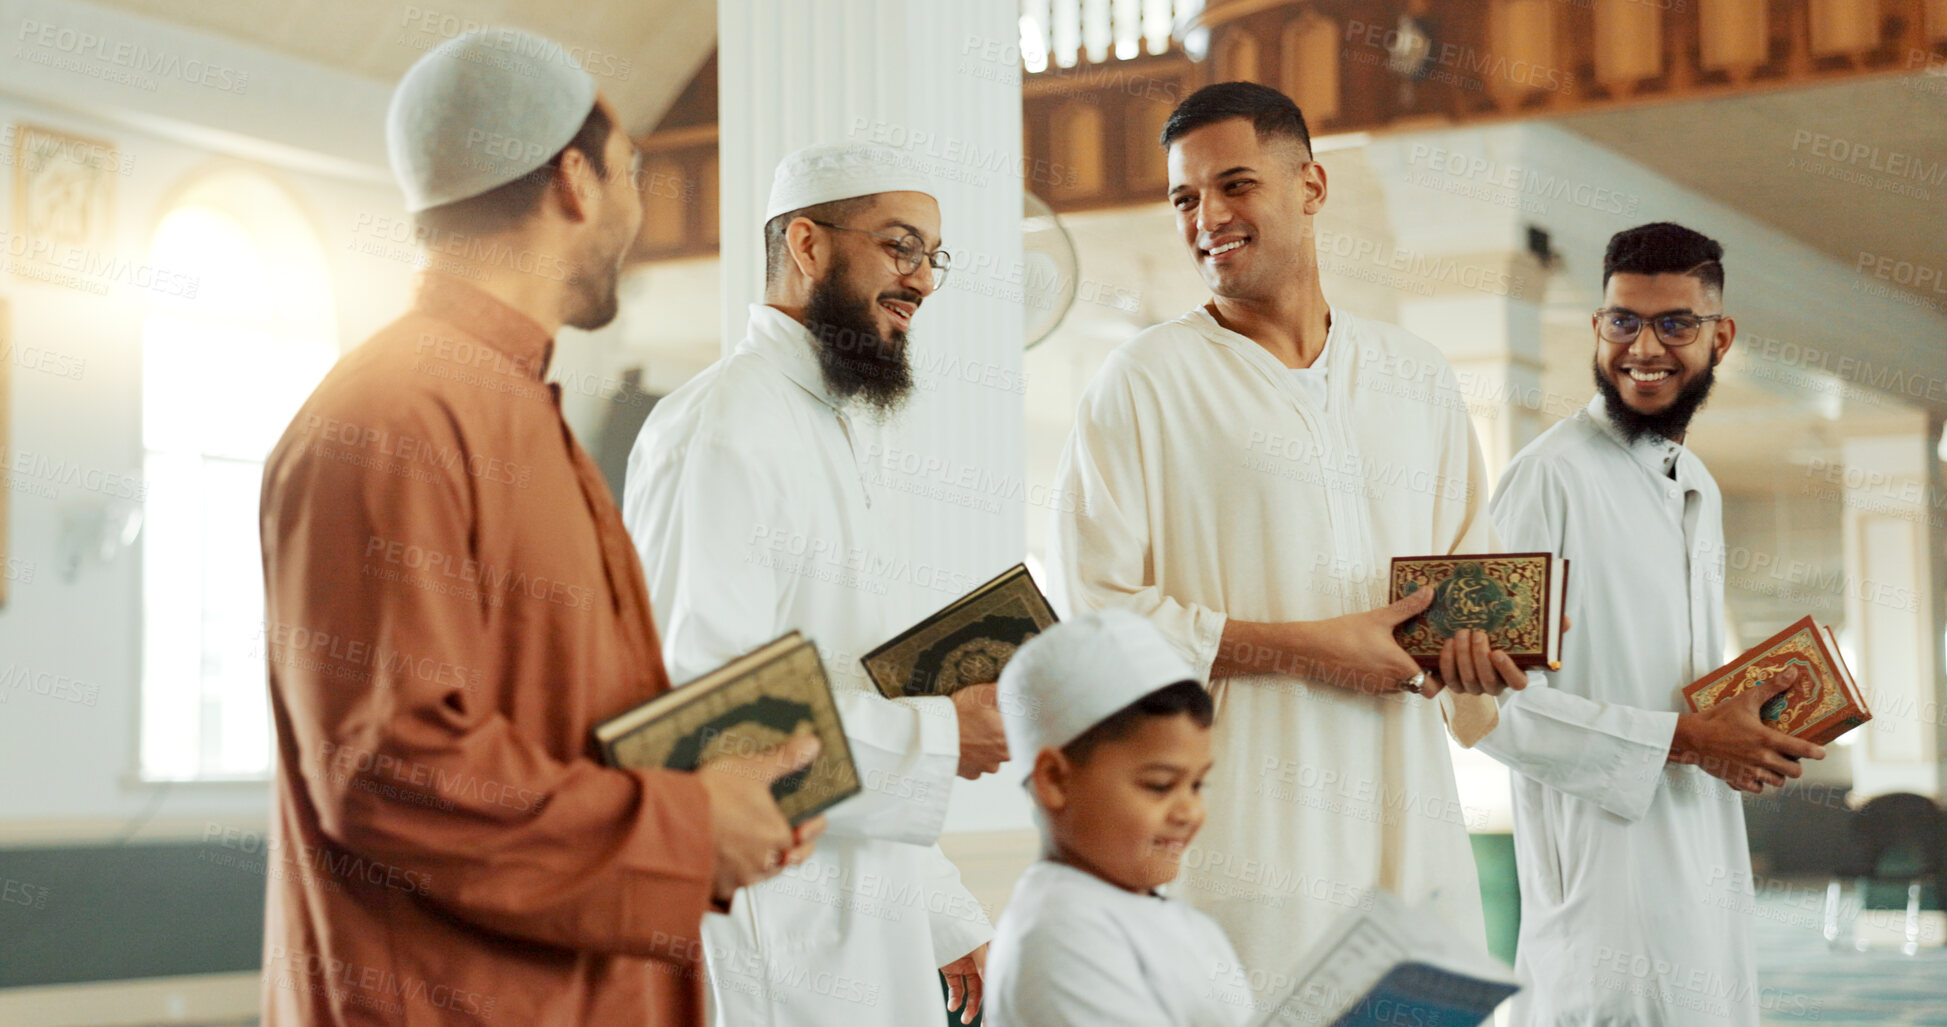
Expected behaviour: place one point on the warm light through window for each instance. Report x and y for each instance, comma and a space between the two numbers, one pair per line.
223, 372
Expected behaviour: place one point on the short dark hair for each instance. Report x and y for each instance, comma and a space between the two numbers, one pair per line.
1664, 248
506, 206
1272, 113
776, 259
1185, 698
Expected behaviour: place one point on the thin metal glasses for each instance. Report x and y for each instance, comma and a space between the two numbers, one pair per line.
908, 251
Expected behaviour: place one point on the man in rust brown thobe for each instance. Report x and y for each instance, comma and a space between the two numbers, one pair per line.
453, 602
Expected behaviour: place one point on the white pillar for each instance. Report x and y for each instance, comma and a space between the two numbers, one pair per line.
1465, 281
1891, 534
937, 81
940, 82
1493, 342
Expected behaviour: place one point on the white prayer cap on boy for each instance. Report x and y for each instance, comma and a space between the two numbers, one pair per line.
1072, 676
841, 171
479, 111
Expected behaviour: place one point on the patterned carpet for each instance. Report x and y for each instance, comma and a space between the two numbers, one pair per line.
1803, 981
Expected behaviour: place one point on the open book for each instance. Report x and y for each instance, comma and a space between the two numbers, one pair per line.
1391, 965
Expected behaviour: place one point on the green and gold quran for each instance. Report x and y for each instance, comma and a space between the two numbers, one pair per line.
1517, 598
1822, 702
966, 643
755, 702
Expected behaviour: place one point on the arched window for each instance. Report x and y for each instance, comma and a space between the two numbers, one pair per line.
223, 371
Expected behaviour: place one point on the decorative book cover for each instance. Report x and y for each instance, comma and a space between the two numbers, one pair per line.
1516, 598
1823, 701
966, 643
754, 702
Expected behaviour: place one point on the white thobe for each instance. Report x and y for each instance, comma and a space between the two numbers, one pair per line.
1208, 484
748, 498
1073, 950
1636, 890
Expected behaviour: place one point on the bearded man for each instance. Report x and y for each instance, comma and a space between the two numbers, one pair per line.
1631, 850
750, 502
452, 604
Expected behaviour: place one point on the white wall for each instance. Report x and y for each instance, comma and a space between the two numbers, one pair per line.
69, 765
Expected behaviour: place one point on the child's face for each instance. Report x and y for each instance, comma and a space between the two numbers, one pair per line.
1127, 812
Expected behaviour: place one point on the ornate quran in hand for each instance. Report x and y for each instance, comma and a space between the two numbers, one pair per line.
755, 702
964, 644
1822, 702
1517, 598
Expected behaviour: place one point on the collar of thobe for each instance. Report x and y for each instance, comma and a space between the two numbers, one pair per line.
1658, 454
1261, 358
526, 344
779, 338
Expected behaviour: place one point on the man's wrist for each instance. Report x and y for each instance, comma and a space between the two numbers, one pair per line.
1681, 742
1297, 641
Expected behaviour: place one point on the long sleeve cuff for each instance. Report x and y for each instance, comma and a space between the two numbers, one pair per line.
1605, 753
956, 919
907, 752
1469, 718
953, 938
1206, 637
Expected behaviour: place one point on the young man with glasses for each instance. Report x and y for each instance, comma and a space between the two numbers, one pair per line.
750, 501
1636, 891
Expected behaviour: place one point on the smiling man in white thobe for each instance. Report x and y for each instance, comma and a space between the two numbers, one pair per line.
748, 496
1242, 475
1636, 891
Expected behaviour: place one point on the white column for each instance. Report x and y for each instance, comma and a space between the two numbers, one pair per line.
1892, 635
939, 82
1493, 343
1457, 260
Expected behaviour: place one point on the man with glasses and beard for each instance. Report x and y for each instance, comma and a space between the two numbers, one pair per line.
749, 498
1635, 874
452, 604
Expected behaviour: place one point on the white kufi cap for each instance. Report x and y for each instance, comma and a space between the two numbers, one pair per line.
479, 111
1072, 676
841, 171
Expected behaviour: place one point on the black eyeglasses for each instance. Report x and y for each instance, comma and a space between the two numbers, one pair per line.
908, 251
1672, 330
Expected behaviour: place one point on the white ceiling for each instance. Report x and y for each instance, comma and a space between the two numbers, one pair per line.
1772, 156
642, 52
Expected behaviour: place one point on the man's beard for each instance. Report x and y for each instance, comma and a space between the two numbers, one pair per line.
596, 302
854, 359
1672, 421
